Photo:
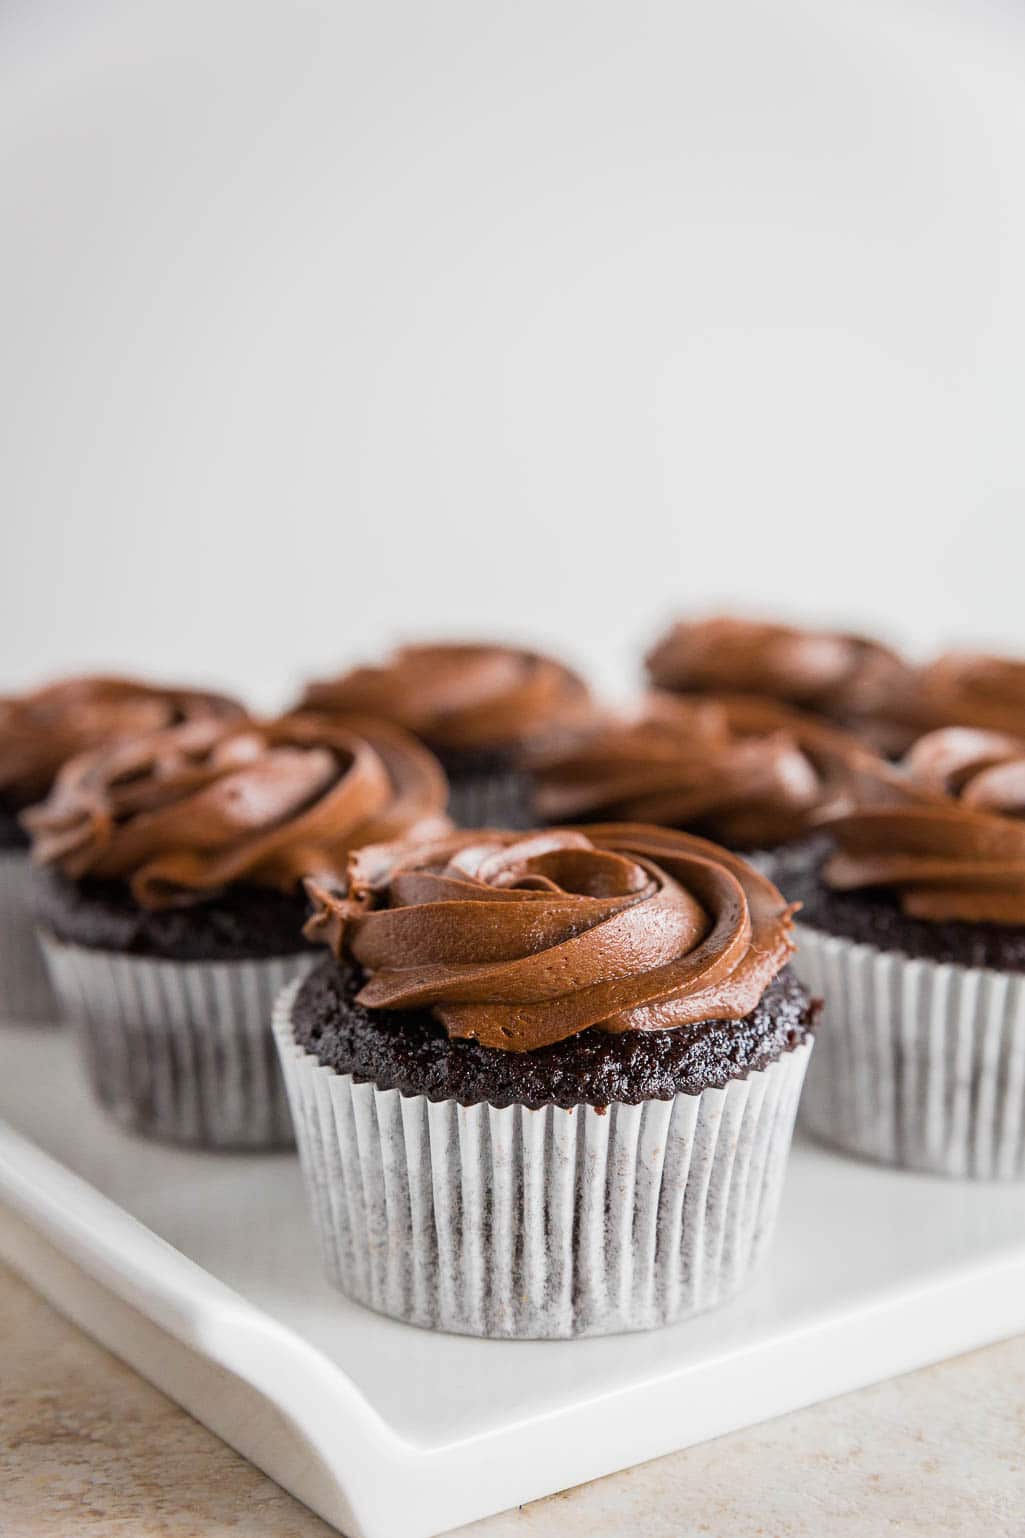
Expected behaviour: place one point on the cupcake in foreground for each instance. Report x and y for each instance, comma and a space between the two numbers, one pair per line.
848, 679
747, 772
485, 711
913, 931
170, 902
39, 732
545, 1085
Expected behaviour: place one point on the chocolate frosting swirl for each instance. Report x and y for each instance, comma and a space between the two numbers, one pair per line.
41, 730
848, 678
519, 940
182, 813
969, 689
984, 770
738, 768
945, 831
461, 697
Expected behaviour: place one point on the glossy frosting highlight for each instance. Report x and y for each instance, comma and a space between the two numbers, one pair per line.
182, 813
520, 940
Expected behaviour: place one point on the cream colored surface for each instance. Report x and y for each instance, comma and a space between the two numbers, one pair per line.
88, 1447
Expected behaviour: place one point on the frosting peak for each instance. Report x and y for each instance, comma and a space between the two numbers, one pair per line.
41, 730
846, 677
183, 812
458, 696
519, 940
968, 689
946, 831
743, 769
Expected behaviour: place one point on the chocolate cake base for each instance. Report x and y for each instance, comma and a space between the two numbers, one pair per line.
247, 923
488, 790
411, 1052
874, 917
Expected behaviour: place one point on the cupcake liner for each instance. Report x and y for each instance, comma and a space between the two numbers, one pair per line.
491, 798
25, 992
919, 1063
539, 1224
180, 1050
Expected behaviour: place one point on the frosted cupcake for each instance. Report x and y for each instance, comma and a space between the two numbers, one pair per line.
170, 902
486, 712
545, 1084
913, 932
848, 679
40, 731
747, 772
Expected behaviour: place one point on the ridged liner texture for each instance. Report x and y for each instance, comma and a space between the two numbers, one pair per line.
919, 1063
539, 1223
180, 1050
25, 992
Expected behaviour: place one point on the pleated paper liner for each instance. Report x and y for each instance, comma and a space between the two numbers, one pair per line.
919, 1063
180, 1050
25, 992
540, 1223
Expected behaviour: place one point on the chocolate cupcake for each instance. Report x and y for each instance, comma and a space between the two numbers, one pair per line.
39, 732
170, 902
545, 1086
848, 679
486, 712
913, 931
747, 772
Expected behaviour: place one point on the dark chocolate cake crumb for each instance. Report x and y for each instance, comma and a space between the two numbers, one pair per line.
245, 923
411, 1052
874, 917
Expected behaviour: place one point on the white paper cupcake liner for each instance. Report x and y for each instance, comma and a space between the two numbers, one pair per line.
539, 1224
25, 992
180, 1050
919, 1063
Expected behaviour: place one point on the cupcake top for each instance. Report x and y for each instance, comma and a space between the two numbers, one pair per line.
460, 697
742, 769
945, 831
518, 941
849, 678
41, 730
969, 689
182, 813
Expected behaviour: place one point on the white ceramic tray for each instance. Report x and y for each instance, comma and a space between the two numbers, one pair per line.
200, 1271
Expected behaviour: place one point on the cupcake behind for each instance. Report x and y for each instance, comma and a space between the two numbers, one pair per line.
913, 931
39, 731
170, 905
485, 710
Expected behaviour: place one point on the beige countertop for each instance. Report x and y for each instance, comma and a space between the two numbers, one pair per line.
89, 1449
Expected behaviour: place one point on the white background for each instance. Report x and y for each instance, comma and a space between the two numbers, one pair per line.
326, 323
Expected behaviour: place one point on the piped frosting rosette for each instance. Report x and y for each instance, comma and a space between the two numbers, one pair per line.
519, 941
461, 697
186, 812
41, 730
742, 769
